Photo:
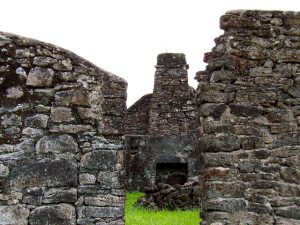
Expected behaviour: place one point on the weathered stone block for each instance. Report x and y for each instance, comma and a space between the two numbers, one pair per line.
225, 205
224, 76
102, 212
290, 175
105, 200
219, 143
219, 174
40, 77
100, 160
292, 212
14, 92
57, 144
61, 114
279, 115
63, 195
212, 109
252, 142
44, 96
62, 214
43, 61
13, 215
78, 96
287, 139
110, 180
217, 97
4, 170
217, 159
70, 128
245, 110
49, 173
224, 189
86, 178
37, 121
33, 132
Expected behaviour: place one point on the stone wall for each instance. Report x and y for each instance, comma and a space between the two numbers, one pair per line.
160, 127
137, 116
249, 105
61, 146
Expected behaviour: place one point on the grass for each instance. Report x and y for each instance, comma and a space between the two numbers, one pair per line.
135, 215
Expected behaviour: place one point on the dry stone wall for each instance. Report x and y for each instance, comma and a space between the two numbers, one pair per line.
61, 145
249, 105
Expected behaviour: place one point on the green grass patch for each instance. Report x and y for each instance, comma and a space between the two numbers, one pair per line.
135, 215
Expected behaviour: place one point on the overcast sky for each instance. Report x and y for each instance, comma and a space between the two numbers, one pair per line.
125, 36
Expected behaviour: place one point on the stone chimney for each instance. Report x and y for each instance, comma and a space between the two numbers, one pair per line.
171, 108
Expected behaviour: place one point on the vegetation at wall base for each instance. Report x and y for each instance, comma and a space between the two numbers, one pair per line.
135, 215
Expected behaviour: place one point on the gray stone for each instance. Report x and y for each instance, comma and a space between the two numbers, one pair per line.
40, 77
4, 40
78, 96
62, 214
292, 212
100, 143
43, 61
105, 200
226, 205
64, 65
220, 142
285, 221
104, 212
57, 144
21, 72
290, 175
55, 195
13, 215
49, 173
25, 53
15, 92
218, 159
4, 170
217, 97
37, 121
33, 132
44, 96
12, 130
245, 110
70, 128
12, 120
99, 160
225, 190
61, 114
212, 109
86, 178
224, 76
110, 180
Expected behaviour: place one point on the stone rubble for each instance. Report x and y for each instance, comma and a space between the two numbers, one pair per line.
165, 196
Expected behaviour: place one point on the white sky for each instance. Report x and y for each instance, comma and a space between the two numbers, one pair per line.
125, 36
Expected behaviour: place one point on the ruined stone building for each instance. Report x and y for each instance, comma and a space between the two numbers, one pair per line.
249, 98
160, 129
61, 147
64, 152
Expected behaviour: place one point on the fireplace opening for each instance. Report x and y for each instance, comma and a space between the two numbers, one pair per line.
171, 173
